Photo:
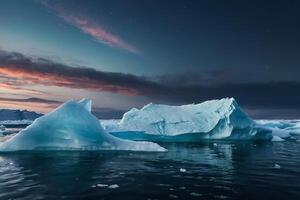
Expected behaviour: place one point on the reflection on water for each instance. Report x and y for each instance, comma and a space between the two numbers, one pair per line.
240, 170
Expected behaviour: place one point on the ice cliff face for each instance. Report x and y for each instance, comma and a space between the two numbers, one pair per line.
71, 127
215, 119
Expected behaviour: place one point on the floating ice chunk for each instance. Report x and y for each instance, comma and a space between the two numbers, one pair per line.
101, 185
164, 185
195, 194
277, 139
71, 126
114, 186
182, 170
276, 166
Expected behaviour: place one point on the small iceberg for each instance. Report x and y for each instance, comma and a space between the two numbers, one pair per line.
114, 186
182, 170
71, 126
214, 119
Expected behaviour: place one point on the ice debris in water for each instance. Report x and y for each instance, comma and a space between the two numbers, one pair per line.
276, 166
114, 186
182, 170
195, 194
214, 119
71, 126
101, 185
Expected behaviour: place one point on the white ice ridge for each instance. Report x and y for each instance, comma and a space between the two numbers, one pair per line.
214, 119
71, 126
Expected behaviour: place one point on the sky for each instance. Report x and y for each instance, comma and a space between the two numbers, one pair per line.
125, 54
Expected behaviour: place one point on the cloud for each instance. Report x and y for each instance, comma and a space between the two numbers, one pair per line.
91, 28
18, 69
21, 70
8, 87
31, 100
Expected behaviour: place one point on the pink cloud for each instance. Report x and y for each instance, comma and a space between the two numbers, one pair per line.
92, 28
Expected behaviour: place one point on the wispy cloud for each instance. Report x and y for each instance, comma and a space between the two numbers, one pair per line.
91, 27
31, 100
10, 87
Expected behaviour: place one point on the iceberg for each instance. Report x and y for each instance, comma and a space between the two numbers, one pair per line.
214, 119
71, 126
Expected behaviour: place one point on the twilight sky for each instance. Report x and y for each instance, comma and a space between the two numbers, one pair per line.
127, 53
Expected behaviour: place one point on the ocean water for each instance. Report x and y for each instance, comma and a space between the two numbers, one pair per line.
211, 170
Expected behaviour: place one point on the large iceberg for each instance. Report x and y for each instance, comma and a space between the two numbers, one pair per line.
214, 119
71, 126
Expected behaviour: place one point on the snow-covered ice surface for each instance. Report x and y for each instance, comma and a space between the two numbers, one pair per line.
71, 126
214, 119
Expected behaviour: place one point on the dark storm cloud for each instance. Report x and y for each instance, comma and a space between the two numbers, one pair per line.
259, 92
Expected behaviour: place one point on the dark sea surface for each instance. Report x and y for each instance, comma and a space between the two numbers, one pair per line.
214, 170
